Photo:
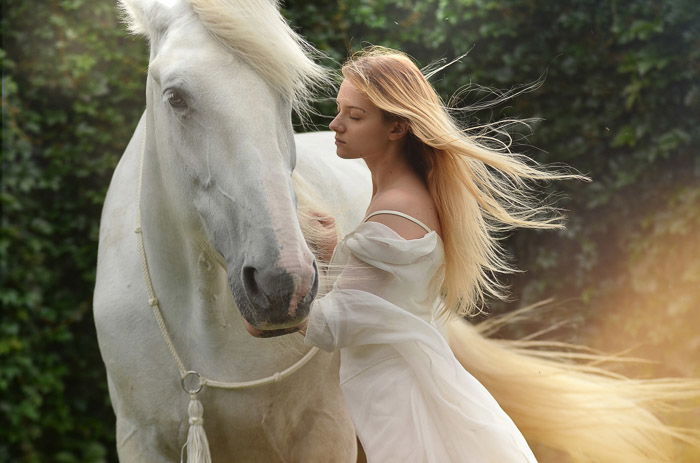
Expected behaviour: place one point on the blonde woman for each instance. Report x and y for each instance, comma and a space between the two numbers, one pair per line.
439, 196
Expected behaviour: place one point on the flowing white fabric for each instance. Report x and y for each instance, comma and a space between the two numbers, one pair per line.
409, 397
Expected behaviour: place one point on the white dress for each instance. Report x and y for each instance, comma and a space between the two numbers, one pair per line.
409, 397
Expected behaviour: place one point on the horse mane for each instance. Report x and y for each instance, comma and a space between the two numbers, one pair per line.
256, 31
310, 205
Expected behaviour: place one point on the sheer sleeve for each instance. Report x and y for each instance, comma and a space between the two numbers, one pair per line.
362, 308
419, 403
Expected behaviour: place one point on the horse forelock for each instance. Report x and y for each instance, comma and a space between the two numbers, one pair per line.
253, 29
259, 34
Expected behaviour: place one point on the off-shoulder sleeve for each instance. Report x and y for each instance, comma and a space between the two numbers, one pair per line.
378, 245
355, 312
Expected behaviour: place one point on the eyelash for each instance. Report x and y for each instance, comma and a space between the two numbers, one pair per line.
353, 118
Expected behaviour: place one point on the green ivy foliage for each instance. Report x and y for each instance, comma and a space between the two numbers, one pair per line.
619, 100
73, 85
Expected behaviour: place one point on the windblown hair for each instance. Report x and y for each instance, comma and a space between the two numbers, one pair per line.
479, 190
565, 397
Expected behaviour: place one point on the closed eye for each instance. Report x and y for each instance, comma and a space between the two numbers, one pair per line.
354, 118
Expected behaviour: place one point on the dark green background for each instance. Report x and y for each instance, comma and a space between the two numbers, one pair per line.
620, 102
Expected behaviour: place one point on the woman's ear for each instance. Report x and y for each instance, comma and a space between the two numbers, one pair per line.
398, 130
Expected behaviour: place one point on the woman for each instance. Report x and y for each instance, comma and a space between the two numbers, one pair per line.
439, 197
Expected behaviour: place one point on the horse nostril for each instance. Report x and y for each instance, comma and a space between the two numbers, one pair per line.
273, 294
249, 281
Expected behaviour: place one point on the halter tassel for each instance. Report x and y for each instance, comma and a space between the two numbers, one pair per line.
197, 443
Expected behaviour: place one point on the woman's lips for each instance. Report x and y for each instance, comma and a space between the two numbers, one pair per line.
338, 142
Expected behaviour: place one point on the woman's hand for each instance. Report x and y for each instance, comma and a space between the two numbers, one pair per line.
327, 239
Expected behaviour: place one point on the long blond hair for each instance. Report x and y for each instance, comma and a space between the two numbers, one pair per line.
479, 190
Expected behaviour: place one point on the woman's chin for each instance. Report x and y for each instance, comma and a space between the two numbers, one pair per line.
344, 155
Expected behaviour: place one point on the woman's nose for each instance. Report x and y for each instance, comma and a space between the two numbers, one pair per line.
335, 125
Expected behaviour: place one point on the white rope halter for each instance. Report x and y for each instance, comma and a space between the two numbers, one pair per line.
193, 382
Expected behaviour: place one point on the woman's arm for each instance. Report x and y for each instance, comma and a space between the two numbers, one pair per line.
335, 316
359, 309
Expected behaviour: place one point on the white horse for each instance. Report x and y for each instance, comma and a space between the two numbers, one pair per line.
206, 184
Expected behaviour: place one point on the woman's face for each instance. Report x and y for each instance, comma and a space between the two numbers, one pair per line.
361, 130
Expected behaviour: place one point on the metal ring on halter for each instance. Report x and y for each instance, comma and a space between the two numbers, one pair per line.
195, 387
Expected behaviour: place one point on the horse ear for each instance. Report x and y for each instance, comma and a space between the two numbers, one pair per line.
151, 18
133, 15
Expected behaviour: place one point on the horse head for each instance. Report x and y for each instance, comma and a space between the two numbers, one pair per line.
222, 81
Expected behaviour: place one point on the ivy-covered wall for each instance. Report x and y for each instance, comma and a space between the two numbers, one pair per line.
620, 102
72, 92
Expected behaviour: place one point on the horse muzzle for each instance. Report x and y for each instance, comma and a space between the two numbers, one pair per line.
275, 301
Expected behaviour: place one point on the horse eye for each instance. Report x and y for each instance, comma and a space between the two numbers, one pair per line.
176, 100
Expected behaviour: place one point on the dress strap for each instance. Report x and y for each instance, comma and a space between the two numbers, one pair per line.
400, 214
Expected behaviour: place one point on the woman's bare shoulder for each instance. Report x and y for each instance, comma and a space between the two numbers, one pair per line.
415, 202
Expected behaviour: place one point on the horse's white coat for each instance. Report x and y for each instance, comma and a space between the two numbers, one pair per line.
217, 183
